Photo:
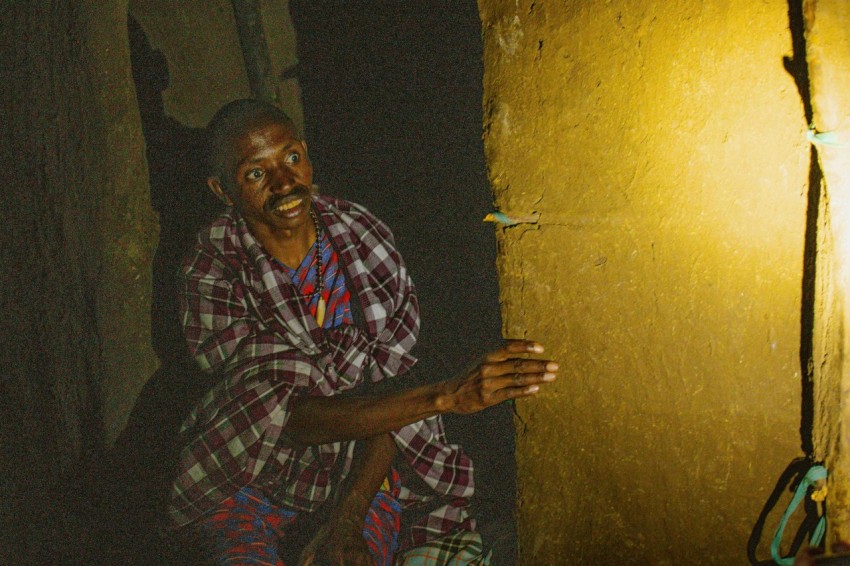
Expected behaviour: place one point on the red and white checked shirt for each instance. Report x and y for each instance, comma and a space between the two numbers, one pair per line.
245, 323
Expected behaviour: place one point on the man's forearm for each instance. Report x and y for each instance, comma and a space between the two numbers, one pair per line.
320, 420
502, 376
371, 466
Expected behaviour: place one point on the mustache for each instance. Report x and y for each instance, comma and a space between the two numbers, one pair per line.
297, 192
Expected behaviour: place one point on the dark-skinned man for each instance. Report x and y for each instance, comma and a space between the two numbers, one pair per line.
299, 304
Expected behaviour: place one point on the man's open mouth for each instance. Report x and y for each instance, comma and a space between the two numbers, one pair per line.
289, 205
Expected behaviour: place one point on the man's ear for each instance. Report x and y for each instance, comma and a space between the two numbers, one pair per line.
215, 186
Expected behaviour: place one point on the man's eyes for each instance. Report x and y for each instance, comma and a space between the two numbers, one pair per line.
258, 173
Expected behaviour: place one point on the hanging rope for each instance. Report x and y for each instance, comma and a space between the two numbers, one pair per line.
815, 478
790, 480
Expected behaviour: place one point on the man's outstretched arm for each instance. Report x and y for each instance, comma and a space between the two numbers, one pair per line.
503, 374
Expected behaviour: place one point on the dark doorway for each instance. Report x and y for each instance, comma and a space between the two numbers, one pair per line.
392, 97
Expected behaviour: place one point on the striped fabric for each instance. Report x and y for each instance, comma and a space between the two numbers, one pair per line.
248, 327
335, 293
247, 528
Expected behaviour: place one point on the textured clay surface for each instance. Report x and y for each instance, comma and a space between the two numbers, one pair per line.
662, 145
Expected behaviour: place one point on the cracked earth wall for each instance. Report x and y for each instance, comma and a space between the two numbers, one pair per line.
828, 54
663, 147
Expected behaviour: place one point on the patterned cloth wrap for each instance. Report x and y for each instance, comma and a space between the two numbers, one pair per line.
461, 548
246, 325
247, 528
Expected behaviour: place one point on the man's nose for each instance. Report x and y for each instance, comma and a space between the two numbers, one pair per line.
283, 180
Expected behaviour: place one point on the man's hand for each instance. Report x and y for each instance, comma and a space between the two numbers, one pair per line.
339, 542
504, 374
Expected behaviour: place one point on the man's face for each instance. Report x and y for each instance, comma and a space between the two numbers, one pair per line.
273, 179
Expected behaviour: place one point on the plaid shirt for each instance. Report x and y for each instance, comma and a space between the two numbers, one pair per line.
246, 324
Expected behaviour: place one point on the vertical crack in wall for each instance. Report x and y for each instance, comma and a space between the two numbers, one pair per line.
808, 303
522, 298
797, 67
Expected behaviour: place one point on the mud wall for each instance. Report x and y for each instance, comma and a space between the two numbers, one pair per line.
77, 238
205, 61
662, 146
828, 53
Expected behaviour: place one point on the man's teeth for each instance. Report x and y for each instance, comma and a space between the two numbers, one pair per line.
289, 205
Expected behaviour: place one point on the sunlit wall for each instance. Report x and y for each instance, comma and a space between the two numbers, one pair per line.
663, 146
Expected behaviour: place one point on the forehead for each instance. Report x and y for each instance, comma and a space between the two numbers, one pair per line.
263, 136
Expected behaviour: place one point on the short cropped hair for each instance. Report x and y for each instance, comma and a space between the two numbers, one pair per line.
232, 121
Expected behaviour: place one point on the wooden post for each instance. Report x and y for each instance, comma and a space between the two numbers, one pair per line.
255, 50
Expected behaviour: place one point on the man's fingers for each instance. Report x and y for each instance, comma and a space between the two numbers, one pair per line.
493, 389
521, 380
515, 377
507, 393
513, 347
517, 366
523, 346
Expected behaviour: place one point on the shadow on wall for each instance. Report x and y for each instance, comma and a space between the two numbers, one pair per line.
392, 95
179, 193
133, 488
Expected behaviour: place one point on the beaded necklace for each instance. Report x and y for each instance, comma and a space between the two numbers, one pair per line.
320, 276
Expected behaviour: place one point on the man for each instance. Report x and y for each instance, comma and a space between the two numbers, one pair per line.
301, 307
